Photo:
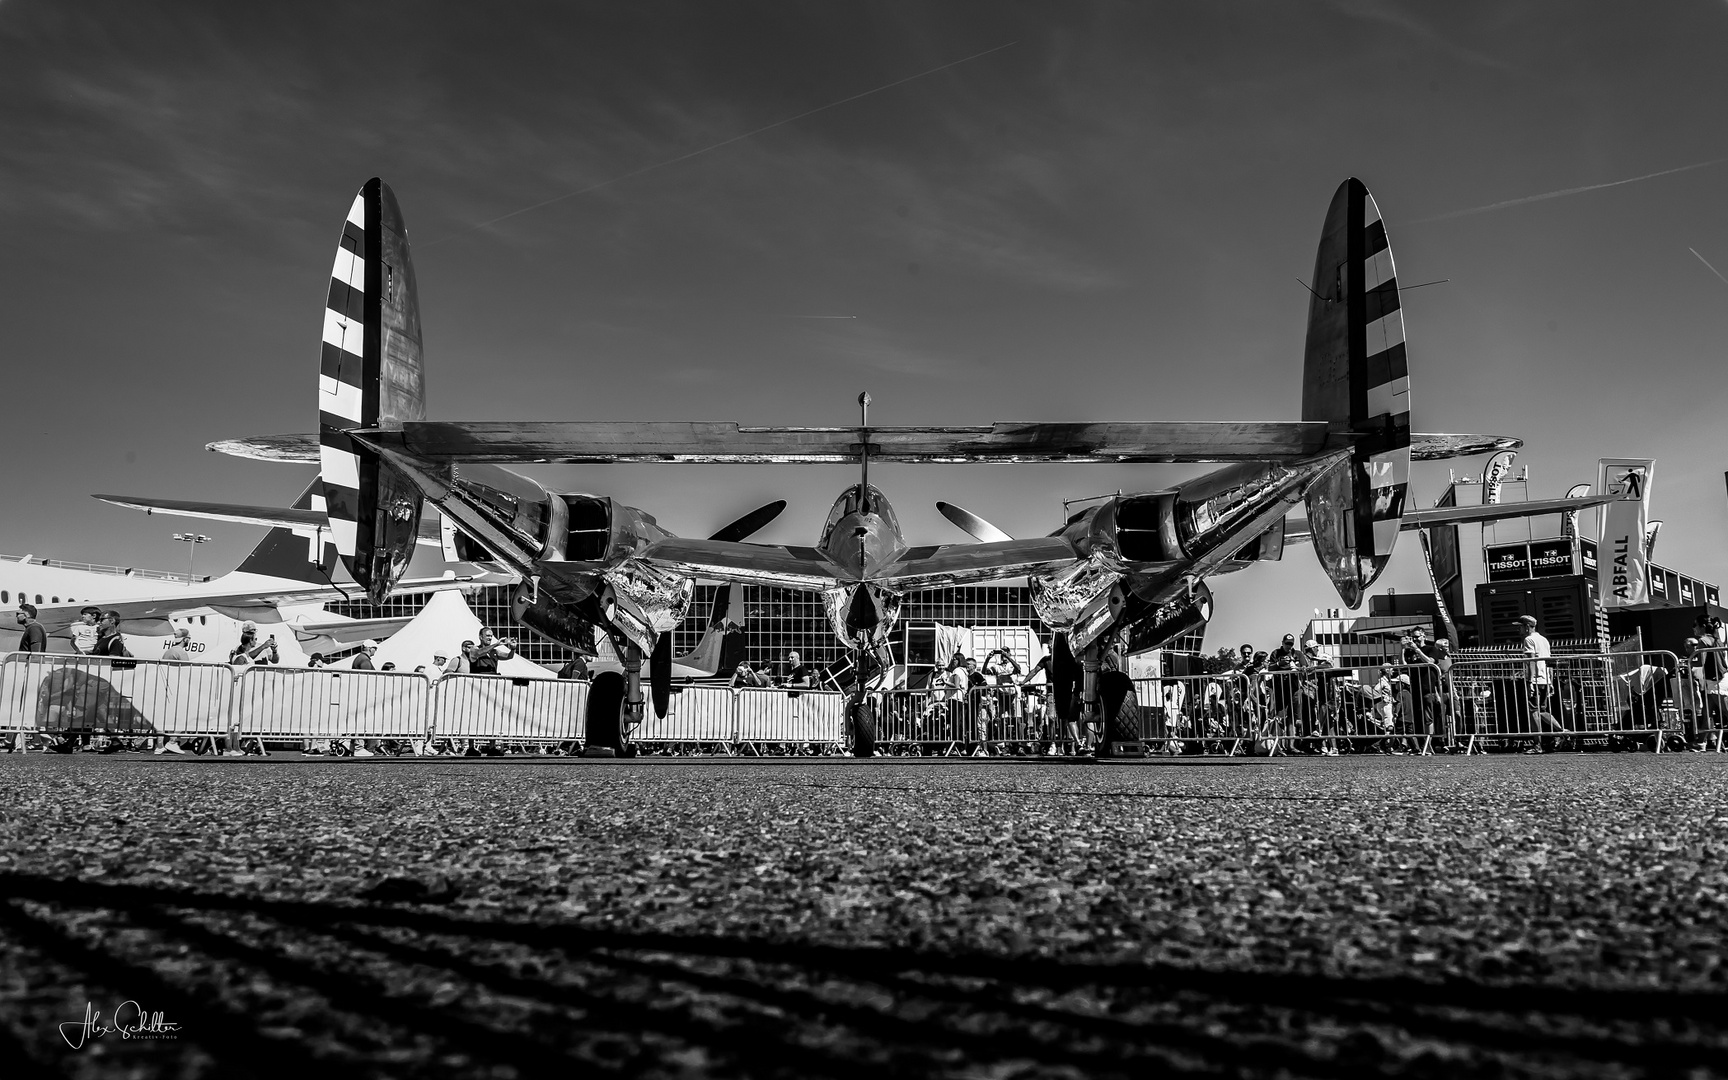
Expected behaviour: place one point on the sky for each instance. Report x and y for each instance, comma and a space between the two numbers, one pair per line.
751, 212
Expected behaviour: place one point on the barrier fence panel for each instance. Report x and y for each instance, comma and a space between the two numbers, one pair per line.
1708, 694
991, 715
503, 708
790, 716
55, 694
331, 703
697, 714
1571, 697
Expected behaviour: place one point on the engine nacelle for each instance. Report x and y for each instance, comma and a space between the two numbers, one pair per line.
1183, 615
560, 622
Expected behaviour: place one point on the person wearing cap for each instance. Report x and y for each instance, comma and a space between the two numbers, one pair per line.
1537, 653
1319, 695
363, 659
1281, 667
178, 645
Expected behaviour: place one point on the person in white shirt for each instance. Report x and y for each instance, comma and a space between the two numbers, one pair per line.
84, 632
1539, 674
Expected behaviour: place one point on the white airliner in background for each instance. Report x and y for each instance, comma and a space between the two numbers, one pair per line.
282, 586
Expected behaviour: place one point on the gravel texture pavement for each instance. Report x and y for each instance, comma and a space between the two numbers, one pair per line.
1554, 916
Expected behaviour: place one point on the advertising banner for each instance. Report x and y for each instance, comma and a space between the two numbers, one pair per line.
1623, 568
1550, 558
1508, 562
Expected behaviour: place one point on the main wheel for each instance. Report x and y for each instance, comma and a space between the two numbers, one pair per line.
863, 722
604, 717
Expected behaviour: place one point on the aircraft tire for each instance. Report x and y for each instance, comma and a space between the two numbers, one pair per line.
604, 719
863, 719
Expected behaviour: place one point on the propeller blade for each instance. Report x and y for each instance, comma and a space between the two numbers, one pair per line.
972, 523
660, 675
750, 523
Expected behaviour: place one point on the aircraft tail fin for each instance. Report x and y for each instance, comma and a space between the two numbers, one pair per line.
298, 554
370, 376
1356, 379
722, 645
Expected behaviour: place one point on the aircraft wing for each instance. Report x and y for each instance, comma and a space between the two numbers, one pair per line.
959, 564
755, 564
1297, 531
347, 631
150, 614
281, 517
1462, 515
588, 442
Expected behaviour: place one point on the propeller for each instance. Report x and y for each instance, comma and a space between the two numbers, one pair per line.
660, 675
750, 523
972, 523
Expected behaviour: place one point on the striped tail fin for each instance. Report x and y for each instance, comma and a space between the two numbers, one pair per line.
1356, 378
370, 376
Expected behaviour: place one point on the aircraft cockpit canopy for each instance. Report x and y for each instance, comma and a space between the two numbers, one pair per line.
874, 502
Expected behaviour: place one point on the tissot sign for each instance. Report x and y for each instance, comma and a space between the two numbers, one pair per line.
1515, 562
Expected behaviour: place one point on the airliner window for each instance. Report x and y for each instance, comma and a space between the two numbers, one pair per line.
4, 598
54, 600
38, 598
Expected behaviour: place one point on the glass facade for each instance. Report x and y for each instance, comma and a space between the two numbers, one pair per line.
778, 619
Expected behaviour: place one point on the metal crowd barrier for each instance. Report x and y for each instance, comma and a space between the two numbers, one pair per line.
330, 703
502, 708
56, 694
1653, 697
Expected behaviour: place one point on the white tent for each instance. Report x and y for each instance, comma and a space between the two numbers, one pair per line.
441, 627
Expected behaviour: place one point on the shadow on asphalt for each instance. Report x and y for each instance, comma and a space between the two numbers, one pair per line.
280, 987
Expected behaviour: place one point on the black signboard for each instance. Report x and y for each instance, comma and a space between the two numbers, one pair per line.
1508, 562
1551, 558
1588, 548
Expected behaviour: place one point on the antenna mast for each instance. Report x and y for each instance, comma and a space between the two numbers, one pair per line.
864, 450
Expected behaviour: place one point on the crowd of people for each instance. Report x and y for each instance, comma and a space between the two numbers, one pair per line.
1290, 698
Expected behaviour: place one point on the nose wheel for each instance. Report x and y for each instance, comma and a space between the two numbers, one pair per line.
860, 714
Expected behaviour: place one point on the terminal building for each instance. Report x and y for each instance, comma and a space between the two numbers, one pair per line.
780, 620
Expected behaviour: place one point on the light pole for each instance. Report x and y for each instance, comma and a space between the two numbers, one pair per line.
192, 540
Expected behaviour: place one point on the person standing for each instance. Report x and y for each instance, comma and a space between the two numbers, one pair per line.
109, 640
84, 631
1537, 653
31, 636
175, 648
363, 659
491, 651
575, 668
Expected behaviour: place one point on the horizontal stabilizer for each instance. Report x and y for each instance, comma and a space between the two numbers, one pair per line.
1468, 515
701, 443
281, 517
293, 449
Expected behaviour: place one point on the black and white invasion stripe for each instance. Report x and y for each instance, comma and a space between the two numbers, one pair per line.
1387, 378
341, 381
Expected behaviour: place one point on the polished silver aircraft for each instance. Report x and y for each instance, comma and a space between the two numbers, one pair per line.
1129, 569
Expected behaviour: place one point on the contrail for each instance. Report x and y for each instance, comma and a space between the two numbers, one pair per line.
721, 143
1546, 195
1706, 262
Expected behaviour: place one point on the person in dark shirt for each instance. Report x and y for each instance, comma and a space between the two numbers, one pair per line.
31, 637
491, 651
109, 641
363, 659
576, 668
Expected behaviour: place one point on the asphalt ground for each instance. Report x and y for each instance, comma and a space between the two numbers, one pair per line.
1370, 916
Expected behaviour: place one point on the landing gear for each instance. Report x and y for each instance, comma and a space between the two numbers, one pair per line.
860, 717
604, 719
